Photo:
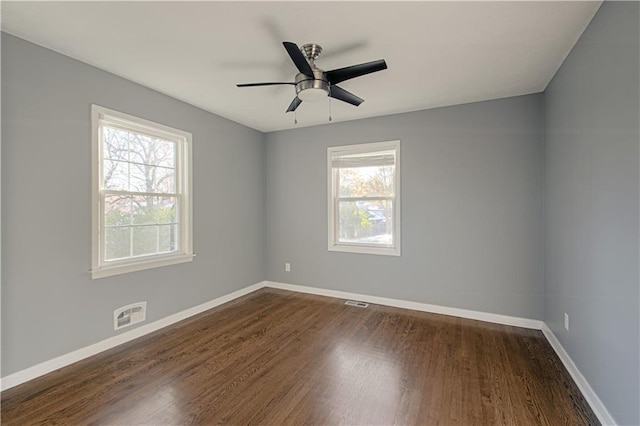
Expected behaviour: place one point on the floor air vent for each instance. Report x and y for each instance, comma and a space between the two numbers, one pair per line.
130, 314
356, 303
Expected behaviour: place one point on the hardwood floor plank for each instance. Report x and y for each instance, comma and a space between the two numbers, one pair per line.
278, 357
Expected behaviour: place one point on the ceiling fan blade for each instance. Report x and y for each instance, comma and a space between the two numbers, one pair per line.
341, 74
261, 84
342, 95
298, 58
294, 104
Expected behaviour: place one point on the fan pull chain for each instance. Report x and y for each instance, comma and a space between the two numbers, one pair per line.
295, 115
330, 103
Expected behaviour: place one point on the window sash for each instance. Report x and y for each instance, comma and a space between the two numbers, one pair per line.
336, 219
104, 227
139, 194
178, 170
129, 126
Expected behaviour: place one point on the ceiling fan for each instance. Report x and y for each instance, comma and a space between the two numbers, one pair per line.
313, 83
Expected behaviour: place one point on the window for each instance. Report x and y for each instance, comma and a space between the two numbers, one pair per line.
364, 198
141, 194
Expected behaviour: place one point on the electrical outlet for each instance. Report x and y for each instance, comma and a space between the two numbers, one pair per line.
287, 267
566, 321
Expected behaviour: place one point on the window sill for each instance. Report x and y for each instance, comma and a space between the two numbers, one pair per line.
107, 271
383, 251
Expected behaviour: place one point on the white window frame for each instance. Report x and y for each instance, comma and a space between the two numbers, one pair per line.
333, 198
99, 266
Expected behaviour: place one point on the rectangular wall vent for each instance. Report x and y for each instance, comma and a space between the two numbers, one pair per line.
129, 315
356, 303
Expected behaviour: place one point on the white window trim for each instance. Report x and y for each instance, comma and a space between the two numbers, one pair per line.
100, 269
333, 244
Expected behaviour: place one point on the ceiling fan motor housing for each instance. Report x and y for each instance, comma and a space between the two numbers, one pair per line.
309, 89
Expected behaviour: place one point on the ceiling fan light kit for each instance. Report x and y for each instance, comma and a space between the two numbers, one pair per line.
312, 90
314, 84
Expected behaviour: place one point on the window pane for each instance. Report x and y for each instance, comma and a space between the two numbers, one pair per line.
144, 210
165, 153
365, 222
145, 240
116, 175
152, 151
140, 150
366, 181
141, 180
164, 180
168, 238
117, 210
166, 209
146, 178
116, 144
117, 243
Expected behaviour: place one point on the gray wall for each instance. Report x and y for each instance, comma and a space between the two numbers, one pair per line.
591, 207
475, 179
50, 305
472, 180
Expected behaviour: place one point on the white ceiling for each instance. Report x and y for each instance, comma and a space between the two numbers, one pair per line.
438, 53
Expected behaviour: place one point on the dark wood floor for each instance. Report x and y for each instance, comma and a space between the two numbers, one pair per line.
277, 357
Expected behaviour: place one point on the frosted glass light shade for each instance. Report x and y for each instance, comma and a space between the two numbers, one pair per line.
312, 94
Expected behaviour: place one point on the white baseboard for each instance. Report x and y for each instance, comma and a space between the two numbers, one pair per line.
591, 397
416, 306
77, 355
587, 391
48, 366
